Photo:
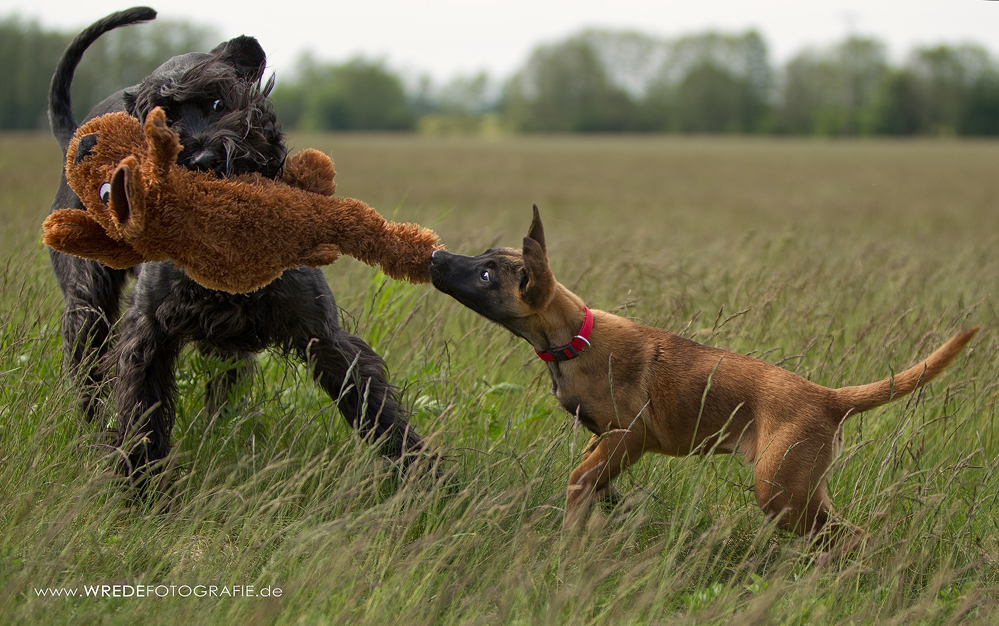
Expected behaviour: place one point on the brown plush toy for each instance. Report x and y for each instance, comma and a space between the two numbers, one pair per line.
235, 234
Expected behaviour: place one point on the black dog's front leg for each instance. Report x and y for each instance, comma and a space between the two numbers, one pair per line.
355, 378
91, 294
145, 389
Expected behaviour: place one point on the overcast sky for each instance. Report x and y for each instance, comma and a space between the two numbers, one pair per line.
449, 37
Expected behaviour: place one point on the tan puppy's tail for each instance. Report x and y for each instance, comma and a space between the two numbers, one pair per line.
861, 398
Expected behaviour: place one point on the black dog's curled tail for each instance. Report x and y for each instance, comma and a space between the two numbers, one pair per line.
61, 119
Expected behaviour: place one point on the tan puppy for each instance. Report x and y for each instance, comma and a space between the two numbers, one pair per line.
642, 389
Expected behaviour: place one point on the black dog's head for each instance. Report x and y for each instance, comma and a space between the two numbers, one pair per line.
505, 285
218, 105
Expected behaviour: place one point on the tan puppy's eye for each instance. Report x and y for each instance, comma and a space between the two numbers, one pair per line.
485, 276
105, 192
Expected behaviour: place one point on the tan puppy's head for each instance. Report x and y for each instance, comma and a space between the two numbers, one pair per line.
504, 285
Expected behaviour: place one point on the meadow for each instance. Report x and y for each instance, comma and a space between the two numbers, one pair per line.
842, 261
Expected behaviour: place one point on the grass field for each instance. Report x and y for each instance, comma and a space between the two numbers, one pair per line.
841, 261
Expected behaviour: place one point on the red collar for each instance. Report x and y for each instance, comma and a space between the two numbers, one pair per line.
572, 349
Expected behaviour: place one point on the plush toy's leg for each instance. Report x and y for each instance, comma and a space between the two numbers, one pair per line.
354, 376
145, 388
74, 232
91, 294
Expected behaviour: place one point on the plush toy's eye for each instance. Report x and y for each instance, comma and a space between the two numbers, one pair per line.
105, 192
218, 106
485, 276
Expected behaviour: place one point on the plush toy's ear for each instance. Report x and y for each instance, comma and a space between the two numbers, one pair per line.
84, 147
119, 204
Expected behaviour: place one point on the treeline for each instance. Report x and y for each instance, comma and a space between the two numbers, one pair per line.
28, 56
607, 81
596, 81
717, 83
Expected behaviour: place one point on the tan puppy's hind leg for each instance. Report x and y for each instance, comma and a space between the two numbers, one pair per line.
791, 474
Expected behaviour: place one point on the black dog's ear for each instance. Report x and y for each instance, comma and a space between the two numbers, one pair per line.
84, 147
129, 97
245, 54
119, 204
537, 230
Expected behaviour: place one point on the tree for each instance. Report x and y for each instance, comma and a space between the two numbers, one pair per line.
710, 100
28, 56
720, 83
356, 95
563, 88
945, 77
899, 109
981, 110
832, 91
810, 90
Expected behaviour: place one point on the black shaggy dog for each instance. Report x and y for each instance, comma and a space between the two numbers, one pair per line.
218, 104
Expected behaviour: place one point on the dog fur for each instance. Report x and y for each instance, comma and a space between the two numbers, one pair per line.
640, 389
218, 104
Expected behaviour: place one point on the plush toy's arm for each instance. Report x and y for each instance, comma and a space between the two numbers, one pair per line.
75, 232
402, 250
310, 170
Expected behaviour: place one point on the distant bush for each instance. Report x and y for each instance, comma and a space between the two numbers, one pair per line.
357, 95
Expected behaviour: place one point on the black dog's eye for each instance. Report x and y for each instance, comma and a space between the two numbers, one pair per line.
218, 106
105, 192
485, 276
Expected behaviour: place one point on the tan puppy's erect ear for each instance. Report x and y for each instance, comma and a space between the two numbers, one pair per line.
537, 230
540, 283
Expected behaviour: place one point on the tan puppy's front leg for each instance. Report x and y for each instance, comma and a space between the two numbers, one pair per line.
590, 481
607, 492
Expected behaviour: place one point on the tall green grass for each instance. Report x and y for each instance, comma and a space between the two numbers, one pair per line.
841, 261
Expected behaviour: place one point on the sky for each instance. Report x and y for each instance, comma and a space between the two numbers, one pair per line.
445, 38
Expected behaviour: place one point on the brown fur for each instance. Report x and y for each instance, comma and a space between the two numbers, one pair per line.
235, 234
642, 389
